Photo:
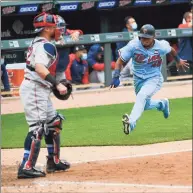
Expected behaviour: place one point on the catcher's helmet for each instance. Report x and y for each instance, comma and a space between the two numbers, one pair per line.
48, 20
147, 31
44, 20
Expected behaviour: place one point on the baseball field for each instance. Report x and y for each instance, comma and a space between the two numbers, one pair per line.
156, 157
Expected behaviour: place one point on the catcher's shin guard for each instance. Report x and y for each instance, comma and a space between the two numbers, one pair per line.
29, 170
53, 161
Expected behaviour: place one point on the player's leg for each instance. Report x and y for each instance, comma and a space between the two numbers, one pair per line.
127, 127
160, 105
35, 106
52, 139
144, 90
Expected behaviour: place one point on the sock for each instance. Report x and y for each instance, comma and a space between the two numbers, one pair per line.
154, 104
50, 148
27, 147
25, 156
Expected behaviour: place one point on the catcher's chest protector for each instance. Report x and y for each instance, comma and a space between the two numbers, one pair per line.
49, 49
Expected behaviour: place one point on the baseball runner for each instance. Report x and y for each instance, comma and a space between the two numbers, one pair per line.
39, 81
146, 53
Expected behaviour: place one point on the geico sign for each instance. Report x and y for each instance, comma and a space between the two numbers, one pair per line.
68, 7
107, 4
28, 9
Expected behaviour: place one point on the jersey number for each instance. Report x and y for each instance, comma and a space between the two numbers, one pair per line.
157, 63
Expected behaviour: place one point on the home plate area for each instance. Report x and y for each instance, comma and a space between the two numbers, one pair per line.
167, 172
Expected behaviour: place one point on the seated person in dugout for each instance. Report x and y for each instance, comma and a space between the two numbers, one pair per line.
4, 75
185, 44
96, 64
77, 69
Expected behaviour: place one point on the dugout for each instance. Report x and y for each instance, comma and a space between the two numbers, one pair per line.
16, 25
98, 21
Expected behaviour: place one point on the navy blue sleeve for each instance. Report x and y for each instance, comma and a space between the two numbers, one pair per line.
91, 61
91, 55
63, 59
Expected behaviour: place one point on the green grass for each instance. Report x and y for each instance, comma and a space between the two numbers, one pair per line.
102, 125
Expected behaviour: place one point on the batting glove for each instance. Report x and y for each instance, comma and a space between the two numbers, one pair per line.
115, 82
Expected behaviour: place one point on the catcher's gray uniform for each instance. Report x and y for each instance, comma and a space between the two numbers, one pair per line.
35, 91
42, 118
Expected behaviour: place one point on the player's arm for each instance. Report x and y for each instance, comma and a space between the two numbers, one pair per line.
125, 55
43, 54
41, 70
119, 64
179, 62
74, 34
42, 59
167, 49
44, 73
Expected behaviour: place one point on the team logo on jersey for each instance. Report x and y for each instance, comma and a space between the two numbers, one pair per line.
155, 60
139, 58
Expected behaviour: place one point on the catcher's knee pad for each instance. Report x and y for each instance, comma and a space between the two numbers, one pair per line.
38, 128
56, 123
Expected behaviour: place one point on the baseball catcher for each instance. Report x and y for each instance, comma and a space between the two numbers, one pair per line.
39, 81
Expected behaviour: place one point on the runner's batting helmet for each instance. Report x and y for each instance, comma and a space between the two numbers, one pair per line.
147, 31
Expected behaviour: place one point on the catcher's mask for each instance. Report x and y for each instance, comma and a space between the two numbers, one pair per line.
67, 95
48, 20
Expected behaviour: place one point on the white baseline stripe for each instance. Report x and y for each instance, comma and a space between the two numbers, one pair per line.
18, 187
123, 157
133, 156
46, 182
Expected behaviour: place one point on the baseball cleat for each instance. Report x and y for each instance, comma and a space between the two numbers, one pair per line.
29, 173
51, 166
166, 110
126, 125
20, 173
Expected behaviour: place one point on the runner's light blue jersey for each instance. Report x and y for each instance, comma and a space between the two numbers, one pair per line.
146, 63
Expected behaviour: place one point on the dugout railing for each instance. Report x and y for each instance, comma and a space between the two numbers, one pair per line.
107, 39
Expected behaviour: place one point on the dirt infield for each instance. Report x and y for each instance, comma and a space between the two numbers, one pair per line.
164, 167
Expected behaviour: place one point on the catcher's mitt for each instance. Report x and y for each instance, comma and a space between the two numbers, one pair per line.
69, 90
